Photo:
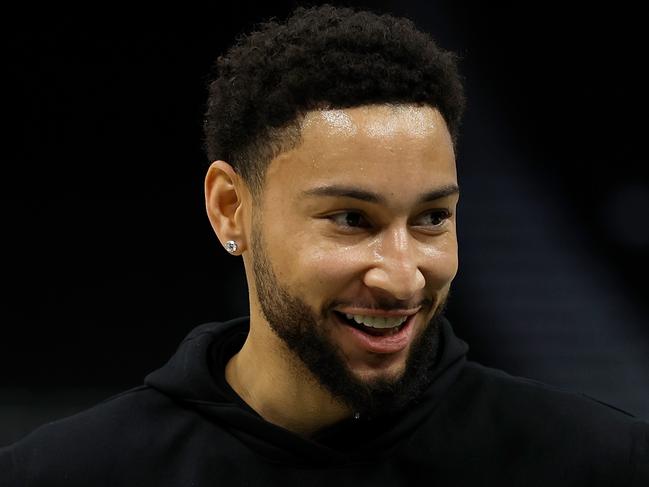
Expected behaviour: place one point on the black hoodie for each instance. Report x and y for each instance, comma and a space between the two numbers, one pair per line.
473, 426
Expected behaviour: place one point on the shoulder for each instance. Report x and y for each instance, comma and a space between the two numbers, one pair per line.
543, 425
521, 394
79, 447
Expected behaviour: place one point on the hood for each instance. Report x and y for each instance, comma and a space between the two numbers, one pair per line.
195, 376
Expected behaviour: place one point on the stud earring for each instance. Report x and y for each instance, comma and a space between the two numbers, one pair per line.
231, 246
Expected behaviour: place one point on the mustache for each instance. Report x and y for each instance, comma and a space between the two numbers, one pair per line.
383, 304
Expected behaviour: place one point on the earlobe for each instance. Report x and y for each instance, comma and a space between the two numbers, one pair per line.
224, 204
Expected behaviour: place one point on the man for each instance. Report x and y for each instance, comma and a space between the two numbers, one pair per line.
332, 139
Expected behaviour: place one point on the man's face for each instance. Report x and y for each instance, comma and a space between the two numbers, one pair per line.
357, 224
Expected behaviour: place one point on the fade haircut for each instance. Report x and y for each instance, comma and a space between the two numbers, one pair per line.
320, 58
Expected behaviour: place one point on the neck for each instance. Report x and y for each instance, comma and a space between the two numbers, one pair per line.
277, 385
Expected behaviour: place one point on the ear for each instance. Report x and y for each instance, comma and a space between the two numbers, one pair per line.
225, 193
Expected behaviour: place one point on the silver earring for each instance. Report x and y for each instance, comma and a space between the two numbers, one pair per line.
231, 246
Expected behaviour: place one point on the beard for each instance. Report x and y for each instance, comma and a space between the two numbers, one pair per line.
304, 332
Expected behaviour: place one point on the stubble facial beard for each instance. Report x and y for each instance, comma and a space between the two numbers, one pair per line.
305, 334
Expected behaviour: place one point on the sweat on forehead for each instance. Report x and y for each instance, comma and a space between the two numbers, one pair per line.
414, 119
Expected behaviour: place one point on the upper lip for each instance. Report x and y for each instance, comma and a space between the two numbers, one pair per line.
379, 312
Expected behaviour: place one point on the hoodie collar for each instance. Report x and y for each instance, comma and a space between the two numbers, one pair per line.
195, 376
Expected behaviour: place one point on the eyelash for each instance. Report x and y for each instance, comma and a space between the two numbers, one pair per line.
445, 215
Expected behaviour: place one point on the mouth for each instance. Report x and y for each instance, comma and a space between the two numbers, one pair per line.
374, 325
377, 334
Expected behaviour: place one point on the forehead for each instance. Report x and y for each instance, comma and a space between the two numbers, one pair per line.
368, 145
373, 121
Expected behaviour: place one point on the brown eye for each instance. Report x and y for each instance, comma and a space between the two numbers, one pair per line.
350, 219
435, 218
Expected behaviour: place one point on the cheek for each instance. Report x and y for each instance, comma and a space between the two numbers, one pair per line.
440, 263
317, 268
327, 266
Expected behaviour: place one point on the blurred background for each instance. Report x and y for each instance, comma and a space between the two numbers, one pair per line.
108, 259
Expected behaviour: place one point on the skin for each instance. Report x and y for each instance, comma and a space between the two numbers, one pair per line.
338, 252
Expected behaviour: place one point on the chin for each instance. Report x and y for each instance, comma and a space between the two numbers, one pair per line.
380, 372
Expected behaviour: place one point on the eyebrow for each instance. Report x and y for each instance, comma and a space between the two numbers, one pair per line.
371, 197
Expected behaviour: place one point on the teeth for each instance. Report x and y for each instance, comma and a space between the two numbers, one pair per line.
377, 321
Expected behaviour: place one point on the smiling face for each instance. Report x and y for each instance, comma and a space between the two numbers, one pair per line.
355, 232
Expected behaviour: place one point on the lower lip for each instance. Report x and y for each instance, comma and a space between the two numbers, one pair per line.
382, 344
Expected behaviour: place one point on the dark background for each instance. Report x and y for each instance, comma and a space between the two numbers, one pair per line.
108, 259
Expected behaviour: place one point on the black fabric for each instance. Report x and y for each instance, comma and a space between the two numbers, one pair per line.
474, 425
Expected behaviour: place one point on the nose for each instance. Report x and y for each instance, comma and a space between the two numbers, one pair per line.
396, 265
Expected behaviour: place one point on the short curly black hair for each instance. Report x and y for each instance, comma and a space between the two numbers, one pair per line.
320, 58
